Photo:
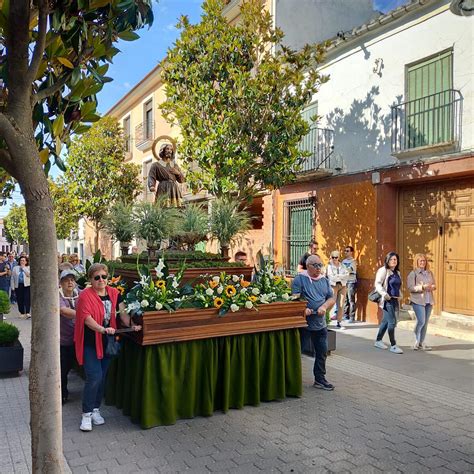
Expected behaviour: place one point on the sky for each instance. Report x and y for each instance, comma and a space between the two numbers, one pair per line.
139, 57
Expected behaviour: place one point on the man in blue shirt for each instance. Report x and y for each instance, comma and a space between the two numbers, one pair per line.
314, 287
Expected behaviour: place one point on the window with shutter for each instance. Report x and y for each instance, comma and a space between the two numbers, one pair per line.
429, 111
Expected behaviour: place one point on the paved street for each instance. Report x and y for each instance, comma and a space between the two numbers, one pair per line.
389, 413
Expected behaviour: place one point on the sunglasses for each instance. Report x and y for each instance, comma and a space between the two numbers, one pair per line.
316, 265
103, 277
334, 258
347, 250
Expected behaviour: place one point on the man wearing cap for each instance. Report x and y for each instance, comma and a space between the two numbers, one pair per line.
68, 295
314, 287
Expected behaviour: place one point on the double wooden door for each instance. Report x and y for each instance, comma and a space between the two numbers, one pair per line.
438, 220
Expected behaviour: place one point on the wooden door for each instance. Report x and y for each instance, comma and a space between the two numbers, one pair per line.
459, 268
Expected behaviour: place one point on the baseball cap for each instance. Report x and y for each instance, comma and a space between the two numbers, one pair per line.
66, 273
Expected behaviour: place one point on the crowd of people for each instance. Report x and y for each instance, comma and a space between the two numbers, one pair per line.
335, 286
15, 280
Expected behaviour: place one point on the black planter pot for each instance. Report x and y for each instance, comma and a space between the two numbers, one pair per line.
11, 358
307, 346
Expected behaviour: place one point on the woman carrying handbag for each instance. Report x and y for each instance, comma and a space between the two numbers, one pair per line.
388, 283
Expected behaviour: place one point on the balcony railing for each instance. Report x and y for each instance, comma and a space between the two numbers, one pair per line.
431, 121
144, 135
320, 143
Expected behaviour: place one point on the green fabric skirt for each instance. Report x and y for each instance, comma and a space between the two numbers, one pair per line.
156, 385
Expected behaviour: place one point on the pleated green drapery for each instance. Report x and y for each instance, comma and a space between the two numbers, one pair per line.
156, 385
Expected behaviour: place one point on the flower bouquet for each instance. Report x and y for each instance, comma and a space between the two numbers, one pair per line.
225, 293
164, 293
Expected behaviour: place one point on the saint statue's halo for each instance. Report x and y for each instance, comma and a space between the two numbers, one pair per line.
168, 141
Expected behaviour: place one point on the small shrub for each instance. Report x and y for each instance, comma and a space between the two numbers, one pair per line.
4, 302
8, 334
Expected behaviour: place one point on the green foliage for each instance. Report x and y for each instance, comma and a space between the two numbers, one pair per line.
16, 227
174, 265
8, 334
156, 222
72, 70
194, 226
4, 302
66, 208
119, 222
228, 222
237, 94
97, 176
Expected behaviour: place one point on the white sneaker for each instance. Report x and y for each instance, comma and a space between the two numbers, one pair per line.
425, 347
416, 346
380, 345
396, 350
97, 419
86, 423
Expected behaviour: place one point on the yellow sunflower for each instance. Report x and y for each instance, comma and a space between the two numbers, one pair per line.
277, 279
218, 302
244, 283
252, 298
230, 290
160, 283
213, 284
121, 289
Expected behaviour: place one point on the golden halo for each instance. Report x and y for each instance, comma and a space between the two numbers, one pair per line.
160, 138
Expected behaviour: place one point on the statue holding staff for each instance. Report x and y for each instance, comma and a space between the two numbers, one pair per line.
165, 174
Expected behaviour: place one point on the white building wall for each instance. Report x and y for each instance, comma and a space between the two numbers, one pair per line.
356, 101
313, 21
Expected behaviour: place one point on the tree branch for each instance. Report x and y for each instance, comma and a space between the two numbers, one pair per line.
6, 162
40, 41
51, 90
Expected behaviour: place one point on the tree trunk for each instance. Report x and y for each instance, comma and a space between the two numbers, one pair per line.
96, 236
45, 395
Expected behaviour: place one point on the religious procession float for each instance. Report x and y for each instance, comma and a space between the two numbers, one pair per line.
219, 340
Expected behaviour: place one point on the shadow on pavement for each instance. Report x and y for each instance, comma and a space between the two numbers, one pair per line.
453, 347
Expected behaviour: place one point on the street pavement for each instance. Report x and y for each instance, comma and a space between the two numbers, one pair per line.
389, 413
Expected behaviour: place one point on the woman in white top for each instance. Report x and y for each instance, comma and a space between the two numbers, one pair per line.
421, 284
20, 282
338, 276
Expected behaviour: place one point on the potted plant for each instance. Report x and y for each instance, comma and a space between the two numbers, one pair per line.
11, 350
119, 224
156, 223
4, 304
228, 222
195, 225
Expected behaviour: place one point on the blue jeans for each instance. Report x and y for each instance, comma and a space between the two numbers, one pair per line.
96, 372
389, 320
320, 343
350, 302
422, 313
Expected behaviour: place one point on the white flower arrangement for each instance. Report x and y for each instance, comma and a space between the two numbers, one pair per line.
234, 308
144, 304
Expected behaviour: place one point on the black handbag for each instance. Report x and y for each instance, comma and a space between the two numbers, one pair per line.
113, 346
374, 296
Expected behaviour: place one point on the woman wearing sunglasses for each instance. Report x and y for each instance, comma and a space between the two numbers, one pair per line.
95, 319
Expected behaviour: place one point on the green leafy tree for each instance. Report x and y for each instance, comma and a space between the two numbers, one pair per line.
97, 175
66, 208
16, 227
237, 94
54, 57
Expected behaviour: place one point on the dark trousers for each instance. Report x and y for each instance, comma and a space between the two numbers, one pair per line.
96, 373
320, 343
350, 302
67, 356
389, 320
23, 298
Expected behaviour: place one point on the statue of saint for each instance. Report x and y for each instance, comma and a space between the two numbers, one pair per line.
164, 176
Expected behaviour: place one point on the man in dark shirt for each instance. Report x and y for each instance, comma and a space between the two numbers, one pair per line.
4, 274
313, 248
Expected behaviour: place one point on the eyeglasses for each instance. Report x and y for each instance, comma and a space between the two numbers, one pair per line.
98, 277
316, 265
347, 250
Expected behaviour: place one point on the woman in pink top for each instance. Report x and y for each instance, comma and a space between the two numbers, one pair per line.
421, 284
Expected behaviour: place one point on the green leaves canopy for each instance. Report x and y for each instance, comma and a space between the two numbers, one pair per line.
237, 94
97, 175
